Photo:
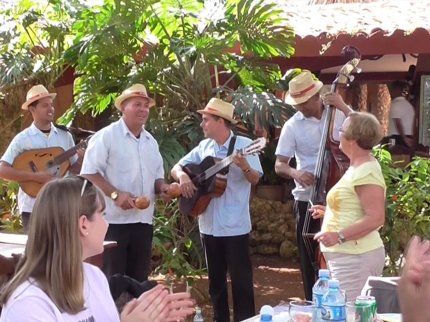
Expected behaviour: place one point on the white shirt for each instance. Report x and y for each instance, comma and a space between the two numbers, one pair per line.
301, 137
29, 303
127, 163
33, 138
401, 109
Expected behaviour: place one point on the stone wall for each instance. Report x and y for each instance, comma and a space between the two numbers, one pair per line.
273, 228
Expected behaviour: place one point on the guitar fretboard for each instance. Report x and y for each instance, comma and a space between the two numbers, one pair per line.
218, 167
69, 153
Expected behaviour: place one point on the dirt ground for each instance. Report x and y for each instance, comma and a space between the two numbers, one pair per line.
276, 280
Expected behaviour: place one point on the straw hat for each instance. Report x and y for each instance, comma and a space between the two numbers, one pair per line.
219, 108
137, 90
302, 88
36, 93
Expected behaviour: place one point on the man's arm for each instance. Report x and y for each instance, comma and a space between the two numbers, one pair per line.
252, 176
401, 130
7, 172
336, 100
396, 113
177, 172
284, 151
94, 166
100, 182
76, 167
77, 159
250, 166
283, 169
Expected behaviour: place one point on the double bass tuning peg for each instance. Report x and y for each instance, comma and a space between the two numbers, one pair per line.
351, 78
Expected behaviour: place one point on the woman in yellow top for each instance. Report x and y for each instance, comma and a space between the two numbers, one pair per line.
355, 210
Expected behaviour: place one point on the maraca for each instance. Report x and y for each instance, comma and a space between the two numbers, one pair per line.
174, 190
142, 203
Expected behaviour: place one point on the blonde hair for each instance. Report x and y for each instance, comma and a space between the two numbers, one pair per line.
53, 254
365, 129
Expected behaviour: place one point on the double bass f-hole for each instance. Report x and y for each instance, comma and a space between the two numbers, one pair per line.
330, 158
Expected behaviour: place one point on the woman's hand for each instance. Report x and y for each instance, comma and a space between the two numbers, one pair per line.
157, 305
414, 285
328, 239
317, 211
180, 306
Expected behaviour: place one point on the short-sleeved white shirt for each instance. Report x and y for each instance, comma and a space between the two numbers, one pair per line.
29, 303
127, 163
300, 137
32, 138
401, 109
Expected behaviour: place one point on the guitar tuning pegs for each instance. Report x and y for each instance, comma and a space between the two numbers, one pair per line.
358, 70
351, 78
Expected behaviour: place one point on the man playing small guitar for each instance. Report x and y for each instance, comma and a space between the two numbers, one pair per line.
41, 134
225, 223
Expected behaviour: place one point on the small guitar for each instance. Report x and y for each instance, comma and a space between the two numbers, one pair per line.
50, 160
208, 181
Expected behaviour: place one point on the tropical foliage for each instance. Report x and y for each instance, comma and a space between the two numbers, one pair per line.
184, 51
407, 206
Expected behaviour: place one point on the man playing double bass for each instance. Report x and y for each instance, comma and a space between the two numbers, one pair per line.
300, 138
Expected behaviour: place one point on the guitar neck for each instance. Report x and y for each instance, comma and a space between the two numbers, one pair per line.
218, 167
69, 153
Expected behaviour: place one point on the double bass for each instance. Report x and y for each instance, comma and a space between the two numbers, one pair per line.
332, 163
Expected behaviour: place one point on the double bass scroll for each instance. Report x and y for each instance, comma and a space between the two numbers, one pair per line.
331, 162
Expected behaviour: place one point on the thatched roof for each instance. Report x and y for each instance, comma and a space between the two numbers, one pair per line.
312, 2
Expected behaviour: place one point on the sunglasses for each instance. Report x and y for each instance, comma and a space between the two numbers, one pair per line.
86, 183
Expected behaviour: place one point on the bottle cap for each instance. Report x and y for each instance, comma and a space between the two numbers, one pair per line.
324, 273
266, 310
333, 283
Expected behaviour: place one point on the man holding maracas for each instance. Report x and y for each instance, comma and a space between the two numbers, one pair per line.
124, 161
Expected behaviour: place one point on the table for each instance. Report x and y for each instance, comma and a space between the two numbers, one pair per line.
277, 310
13, 245
384, 289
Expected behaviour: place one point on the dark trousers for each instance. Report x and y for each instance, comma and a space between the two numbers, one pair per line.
119, 283
399, 140
25, 218
306, 259
132, 255
230, 254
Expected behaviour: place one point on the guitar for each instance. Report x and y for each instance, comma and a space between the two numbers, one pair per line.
209, 182
50, 160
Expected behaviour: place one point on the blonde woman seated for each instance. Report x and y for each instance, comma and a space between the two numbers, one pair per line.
52, 283
349, 237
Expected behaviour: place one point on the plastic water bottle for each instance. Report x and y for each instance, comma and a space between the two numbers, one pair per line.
319, 289
198, 317
333, 303
266, 313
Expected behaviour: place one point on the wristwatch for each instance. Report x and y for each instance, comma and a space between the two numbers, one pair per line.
114, 195
340, 237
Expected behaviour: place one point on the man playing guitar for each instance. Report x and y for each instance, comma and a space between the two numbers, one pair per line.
41, 134
225, 224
